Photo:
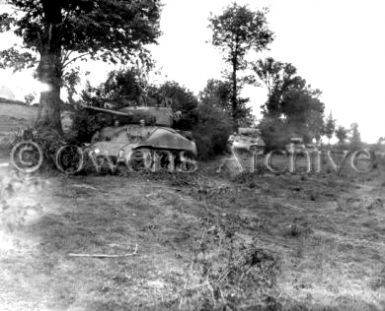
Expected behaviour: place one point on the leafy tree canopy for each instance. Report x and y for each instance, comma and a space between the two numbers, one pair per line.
217, 93
279, 79
330, 127
293, 108
304, 114
212, 130
110, 30
121, 88
239, 29
182, 100
355, 137
341, 134
59, 32
236, 31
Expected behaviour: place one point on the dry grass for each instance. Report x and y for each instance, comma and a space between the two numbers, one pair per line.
204, 242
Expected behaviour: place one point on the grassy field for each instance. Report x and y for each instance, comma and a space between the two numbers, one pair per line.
14, 117
192, 242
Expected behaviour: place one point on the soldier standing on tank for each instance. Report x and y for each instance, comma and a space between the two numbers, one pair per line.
228, 151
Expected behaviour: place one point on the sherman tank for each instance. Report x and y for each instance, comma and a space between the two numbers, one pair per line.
141, 138
247, 139
244, 145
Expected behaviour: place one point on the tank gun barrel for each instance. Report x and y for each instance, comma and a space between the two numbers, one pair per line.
127, 116
117, 113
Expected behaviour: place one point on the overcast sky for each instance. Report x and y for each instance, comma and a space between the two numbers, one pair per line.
337, 46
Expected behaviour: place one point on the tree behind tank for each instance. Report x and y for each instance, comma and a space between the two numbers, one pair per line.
292, 108
217, 93
182, 100
279, 79
237, 31
330, 127
61, 31
70, 79
303, 113
212, 130
214, 118
341, 134
122, 88
355, 138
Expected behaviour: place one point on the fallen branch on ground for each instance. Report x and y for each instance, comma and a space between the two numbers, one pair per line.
166, 187
106, 255
85, 186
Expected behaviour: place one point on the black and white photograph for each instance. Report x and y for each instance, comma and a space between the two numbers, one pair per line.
206, 155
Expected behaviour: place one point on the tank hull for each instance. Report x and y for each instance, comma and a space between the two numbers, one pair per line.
112, 140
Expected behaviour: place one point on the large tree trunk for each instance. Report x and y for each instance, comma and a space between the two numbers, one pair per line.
49, 108
234, 101
50, 67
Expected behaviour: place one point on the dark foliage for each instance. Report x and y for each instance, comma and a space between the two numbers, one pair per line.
292, 109
60, 32
182, 100
86, 124
237, 31
212, 131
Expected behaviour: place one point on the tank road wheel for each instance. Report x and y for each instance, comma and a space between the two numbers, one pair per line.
27, 156
186, 162
141, 159
69, 159
163, 160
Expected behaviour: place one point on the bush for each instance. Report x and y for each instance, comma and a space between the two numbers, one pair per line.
212, 131
274, 133
85, 125
48, 139
183, 100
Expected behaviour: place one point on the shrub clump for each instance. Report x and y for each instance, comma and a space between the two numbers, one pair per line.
86, 124
212, 131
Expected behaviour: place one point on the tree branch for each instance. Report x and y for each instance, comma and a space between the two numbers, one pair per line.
66, 56
12, 58
75, 58
135, 252
40, 48
50, 34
